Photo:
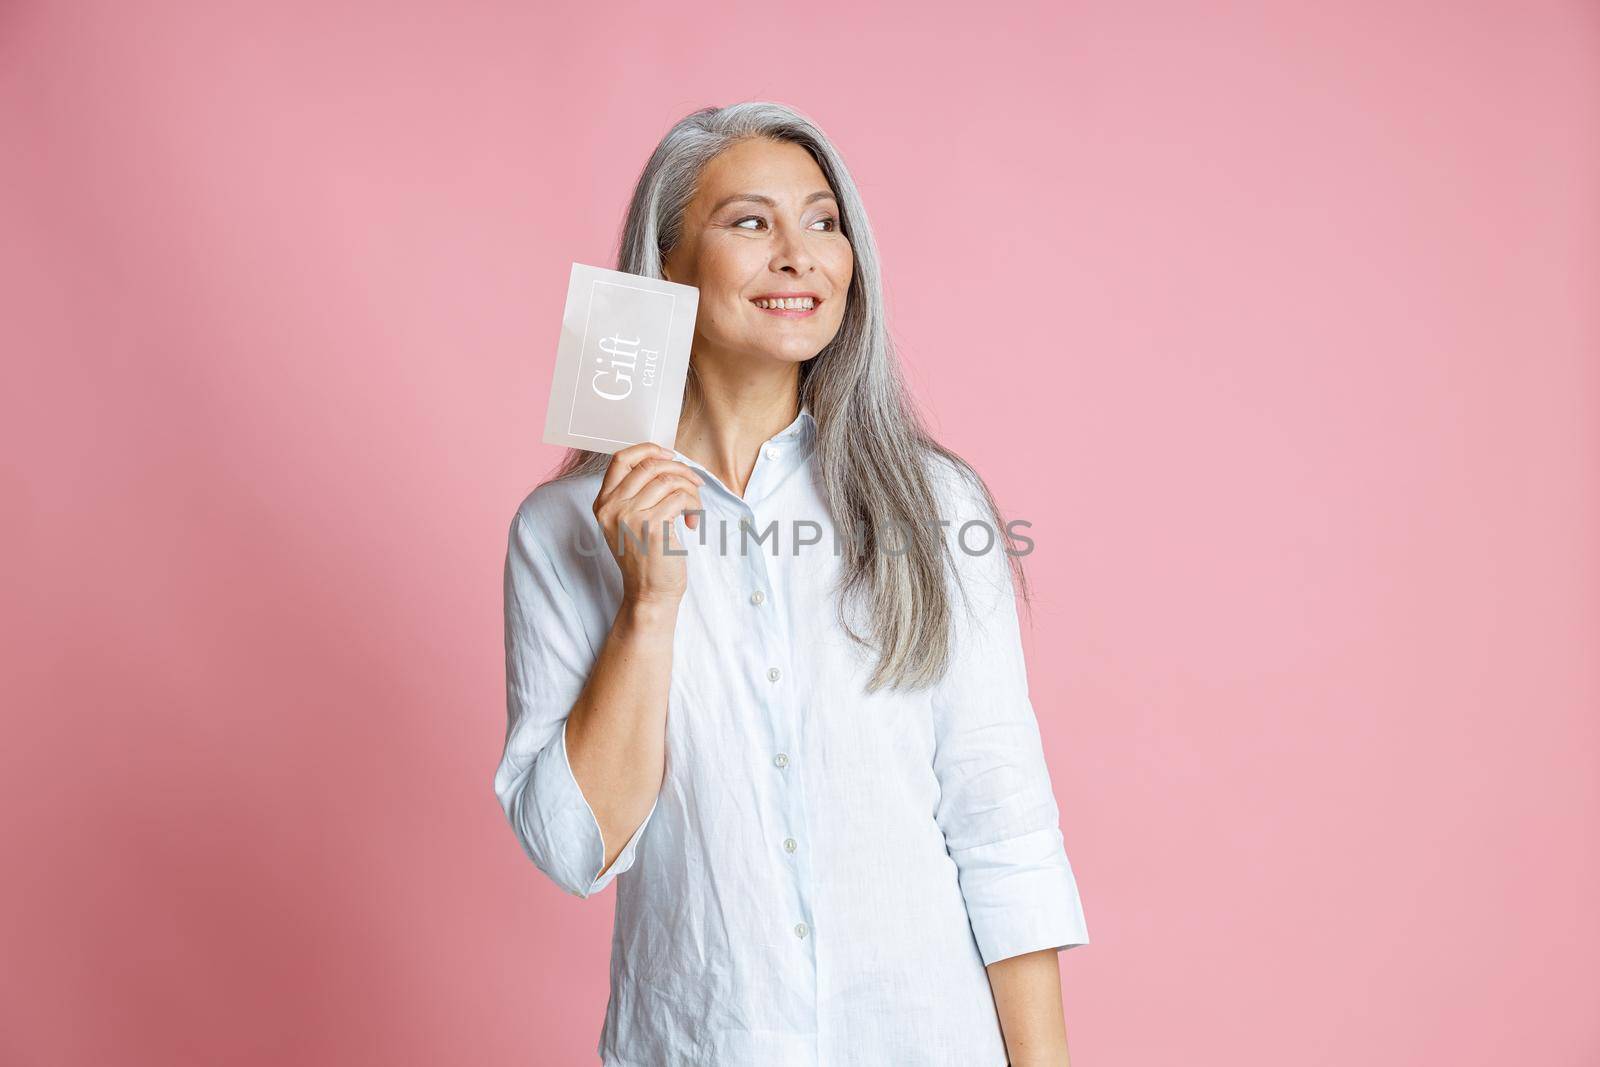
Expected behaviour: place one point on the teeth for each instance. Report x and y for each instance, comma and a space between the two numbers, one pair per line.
794, 303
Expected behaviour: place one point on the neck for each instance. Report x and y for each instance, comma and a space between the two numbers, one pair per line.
732, 417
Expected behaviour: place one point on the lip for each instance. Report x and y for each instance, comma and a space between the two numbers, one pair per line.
788, 313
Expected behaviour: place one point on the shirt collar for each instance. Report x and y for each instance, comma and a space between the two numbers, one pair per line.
802, 431
804, 425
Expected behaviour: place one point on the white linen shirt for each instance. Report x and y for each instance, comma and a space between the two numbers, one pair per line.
825, 873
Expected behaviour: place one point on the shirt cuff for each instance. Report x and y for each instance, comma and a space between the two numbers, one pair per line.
1021, 895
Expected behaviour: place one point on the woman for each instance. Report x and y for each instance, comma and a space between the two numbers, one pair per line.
784, 699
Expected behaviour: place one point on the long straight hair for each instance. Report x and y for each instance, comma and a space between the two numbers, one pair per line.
872, 450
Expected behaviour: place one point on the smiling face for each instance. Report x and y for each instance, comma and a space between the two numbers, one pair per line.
763, 227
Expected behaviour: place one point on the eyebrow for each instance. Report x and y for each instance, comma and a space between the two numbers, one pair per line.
820, 194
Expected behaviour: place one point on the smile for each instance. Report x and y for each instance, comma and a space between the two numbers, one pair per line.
789, 307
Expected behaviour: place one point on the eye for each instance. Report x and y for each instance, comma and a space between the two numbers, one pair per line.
833, 223
749, 218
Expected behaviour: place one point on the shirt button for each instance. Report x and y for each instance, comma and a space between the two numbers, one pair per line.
790, 844
773, 674
757, 597
799, 929
780, 760
772, 453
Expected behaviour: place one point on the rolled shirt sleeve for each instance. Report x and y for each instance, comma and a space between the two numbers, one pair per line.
997, 807
548, 659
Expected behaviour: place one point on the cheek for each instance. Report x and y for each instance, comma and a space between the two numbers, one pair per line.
729, 263
843, 266
842, 272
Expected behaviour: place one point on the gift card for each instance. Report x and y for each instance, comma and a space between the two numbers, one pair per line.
622, 360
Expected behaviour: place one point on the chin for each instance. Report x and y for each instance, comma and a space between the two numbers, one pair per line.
795, 354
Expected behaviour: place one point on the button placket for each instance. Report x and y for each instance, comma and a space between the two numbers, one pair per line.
781, 719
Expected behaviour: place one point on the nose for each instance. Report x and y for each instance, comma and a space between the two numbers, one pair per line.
789, 252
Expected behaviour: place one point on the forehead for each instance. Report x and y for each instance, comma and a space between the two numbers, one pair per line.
757, 165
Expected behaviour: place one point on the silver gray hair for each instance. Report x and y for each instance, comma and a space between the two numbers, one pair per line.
872, 451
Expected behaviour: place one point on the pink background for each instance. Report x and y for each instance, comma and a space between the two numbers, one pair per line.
1279, 321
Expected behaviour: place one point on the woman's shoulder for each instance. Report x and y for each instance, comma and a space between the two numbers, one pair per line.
561, 505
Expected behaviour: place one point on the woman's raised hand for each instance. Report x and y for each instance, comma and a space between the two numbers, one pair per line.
645, 490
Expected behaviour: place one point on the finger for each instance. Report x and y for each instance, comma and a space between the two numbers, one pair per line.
656, 490
635, 480
626, 460
688, 507
645, 528
670, 507
645, 509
